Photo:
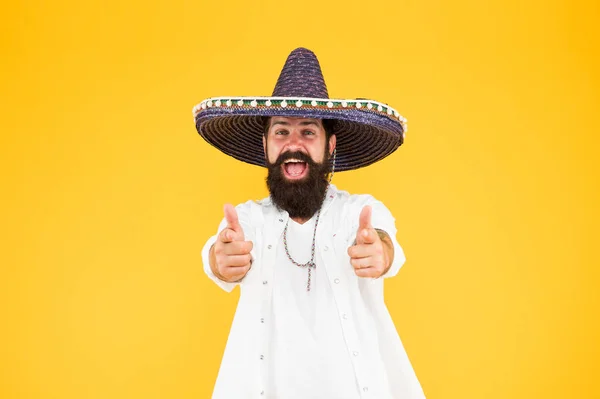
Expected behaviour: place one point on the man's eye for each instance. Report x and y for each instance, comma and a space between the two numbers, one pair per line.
309, 132
281, 132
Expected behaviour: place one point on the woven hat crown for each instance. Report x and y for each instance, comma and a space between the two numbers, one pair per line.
301, 76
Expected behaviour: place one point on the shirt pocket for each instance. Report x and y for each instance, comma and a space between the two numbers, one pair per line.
342, 239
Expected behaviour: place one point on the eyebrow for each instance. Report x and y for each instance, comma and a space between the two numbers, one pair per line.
305, 123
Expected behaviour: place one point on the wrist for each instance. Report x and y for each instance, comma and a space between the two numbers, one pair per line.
388, 250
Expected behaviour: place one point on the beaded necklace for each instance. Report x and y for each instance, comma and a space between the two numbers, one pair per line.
311, 263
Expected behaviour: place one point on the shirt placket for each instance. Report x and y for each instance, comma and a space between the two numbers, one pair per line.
273, 231
339, 287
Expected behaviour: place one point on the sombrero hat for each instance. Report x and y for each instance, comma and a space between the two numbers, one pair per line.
367, 131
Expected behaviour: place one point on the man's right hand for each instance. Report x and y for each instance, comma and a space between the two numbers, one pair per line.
230, 257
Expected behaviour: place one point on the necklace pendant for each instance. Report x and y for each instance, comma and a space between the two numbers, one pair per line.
309, 266
311, 263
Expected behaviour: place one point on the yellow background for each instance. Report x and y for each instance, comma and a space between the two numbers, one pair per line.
108, 193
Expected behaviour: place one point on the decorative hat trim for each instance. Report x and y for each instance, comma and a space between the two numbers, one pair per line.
301, 102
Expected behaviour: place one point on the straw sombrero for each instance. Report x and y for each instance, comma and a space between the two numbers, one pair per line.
367, 131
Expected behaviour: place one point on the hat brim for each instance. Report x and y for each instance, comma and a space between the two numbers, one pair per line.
366, 131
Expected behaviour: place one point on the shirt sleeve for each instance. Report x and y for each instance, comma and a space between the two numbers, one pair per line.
243, 212
382, 219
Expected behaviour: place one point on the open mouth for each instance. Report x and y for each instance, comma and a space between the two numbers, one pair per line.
294, 169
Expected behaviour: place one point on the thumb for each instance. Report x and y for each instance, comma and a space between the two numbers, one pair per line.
364, 220
232, 219
364, 235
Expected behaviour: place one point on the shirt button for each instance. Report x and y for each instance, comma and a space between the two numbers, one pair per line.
366, 389
262, 320
337, 281
355, 353
281, 220
262, 357
326, 248
269, 246
262, 392
344, 316
265, 282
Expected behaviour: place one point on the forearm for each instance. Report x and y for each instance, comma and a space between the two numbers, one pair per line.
388, 249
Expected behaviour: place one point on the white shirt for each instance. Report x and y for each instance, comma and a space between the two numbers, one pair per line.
305, 330
336, 341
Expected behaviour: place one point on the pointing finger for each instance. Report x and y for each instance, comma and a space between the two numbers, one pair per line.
368, 236
232, 218
364, 220
367, 272
238, 248
361, 263
360, 251
227, 235
238, 260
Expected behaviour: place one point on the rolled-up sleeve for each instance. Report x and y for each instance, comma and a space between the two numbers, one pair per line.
382, 219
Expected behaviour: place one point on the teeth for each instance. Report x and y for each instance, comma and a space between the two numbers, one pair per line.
293, 160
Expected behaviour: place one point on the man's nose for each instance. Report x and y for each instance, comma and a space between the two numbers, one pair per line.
295, 141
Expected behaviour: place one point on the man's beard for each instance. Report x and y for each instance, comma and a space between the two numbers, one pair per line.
300, 198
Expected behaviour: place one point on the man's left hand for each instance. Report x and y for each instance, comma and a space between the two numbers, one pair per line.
369, 255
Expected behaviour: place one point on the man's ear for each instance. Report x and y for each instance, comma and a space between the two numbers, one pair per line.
332, 142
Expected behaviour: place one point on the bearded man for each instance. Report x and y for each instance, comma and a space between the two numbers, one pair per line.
310, 259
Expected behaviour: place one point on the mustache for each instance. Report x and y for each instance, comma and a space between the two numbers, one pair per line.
294, 155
